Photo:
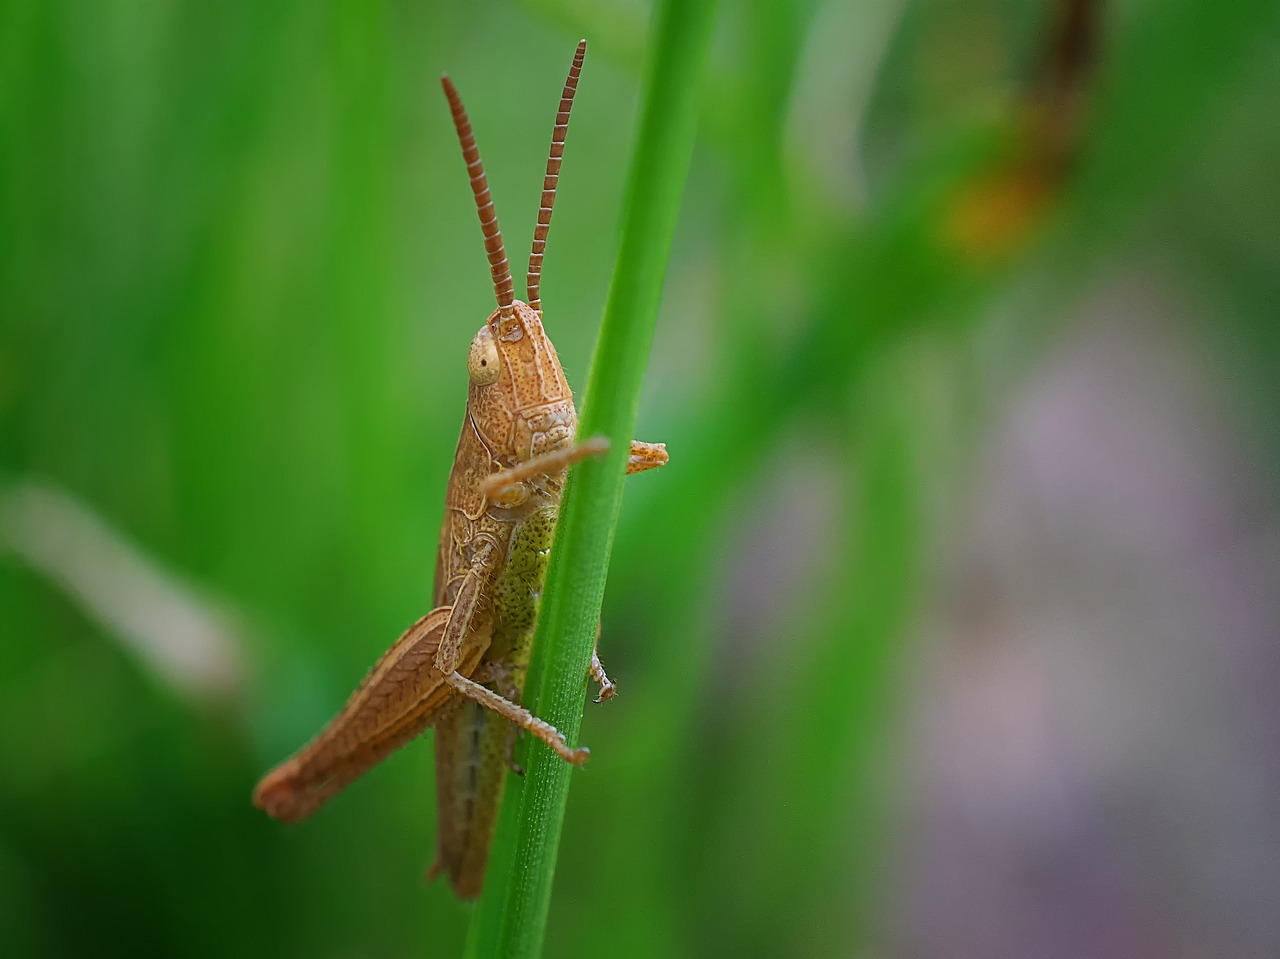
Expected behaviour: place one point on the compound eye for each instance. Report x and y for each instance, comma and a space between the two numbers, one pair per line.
482, 361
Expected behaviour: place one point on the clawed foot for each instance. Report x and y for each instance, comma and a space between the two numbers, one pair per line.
608, 689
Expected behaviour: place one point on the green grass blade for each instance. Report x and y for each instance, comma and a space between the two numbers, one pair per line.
511, 919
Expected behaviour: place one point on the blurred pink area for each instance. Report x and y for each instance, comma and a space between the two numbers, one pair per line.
1098, 731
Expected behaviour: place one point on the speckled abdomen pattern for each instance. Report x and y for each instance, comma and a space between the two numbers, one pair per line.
518, 590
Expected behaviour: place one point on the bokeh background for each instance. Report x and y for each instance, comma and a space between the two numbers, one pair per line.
952, 628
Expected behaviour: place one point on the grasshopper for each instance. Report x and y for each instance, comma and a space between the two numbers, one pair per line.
461, 667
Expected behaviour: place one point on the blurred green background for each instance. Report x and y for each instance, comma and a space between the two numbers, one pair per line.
951, 629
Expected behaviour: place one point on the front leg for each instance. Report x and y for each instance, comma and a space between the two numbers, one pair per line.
642, 456
496, 486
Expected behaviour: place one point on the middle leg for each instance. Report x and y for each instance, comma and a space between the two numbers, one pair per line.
465, 607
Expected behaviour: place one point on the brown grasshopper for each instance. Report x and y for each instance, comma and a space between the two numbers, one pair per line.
461, 667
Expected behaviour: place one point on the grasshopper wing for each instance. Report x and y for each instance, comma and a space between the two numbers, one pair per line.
402, 695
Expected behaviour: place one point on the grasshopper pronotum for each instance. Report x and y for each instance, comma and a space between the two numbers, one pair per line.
461, 667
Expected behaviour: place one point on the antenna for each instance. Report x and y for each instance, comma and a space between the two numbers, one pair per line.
502, 285
553, 175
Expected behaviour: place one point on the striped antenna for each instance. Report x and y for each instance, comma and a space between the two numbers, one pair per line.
553, 175
498, 266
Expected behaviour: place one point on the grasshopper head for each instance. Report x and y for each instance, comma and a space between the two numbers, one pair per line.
519, 400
